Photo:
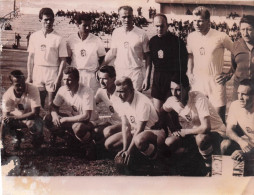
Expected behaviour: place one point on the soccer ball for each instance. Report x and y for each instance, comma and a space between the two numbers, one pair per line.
119, 162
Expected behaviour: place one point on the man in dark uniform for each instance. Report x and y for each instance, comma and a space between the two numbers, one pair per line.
169, 55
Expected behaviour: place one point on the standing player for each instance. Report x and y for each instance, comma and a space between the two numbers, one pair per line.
47, 56
129, 47
240, 123
107, 94
79, 102
86, 51
21, 108
138, 115
243, 53
169, 55
206, 60
197, 117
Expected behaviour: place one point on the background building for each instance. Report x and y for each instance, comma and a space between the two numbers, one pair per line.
217, 7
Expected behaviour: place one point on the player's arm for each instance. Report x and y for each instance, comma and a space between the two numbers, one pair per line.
203, 128
230, 132
140, 127
60, 71
78, 118
190, 66
148, 66
30, 67
110, 55
27, 116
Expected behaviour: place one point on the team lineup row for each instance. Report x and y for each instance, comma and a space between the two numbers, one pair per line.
188, 88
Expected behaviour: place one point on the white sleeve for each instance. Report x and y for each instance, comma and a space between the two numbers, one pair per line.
201, 104
143, 111
35, 97
101, 50
146, 44
7, 103
88, 100
59, 99
31, 46
63, 48
188, 46
227, 42
114, 39
232, 118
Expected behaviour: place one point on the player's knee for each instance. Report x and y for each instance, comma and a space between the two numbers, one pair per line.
107, 131
109, 145
203, 141
30, 123
141, 141
225, 145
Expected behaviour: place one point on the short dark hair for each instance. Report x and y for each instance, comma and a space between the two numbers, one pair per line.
46, 11
17, 74
72, 71
125, 82
249, 19
202, 11
110, 70
162, 15
249, 83
126, 7
181, 79
83, 16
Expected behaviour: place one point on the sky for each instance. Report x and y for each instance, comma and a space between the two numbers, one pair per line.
33, 6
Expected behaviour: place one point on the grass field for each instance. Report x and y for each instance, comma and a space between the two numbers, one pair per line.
62, 160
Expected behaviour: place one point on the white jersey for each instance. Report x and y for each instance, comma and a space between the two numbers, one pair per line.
85, 54
18, 106
78, 104
111, 103
141, 109
240, 116
208, 51
47, 50
130, 46
198, 106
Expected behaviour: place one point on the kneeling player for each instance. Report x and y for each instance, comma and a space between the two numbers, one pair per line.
138, 115
79, 101
240, 123
107, 94
196, 116
21, 108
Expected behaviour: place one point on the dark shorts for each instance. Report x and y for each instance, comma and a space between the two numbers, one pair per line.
161, 85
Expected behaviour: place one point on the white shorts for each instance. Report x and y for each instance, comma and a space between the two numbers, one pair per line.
44, 77
136, 75
88, 79
215, 92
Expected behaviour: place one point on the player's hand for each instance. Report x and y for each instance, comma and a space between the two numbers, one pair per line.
126, 155
245, 146
223, 78
8, 119
178, 134
191, 78
238, 155
174, 103
56, 84
62, 120
146, 85
29, 80
56, 120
